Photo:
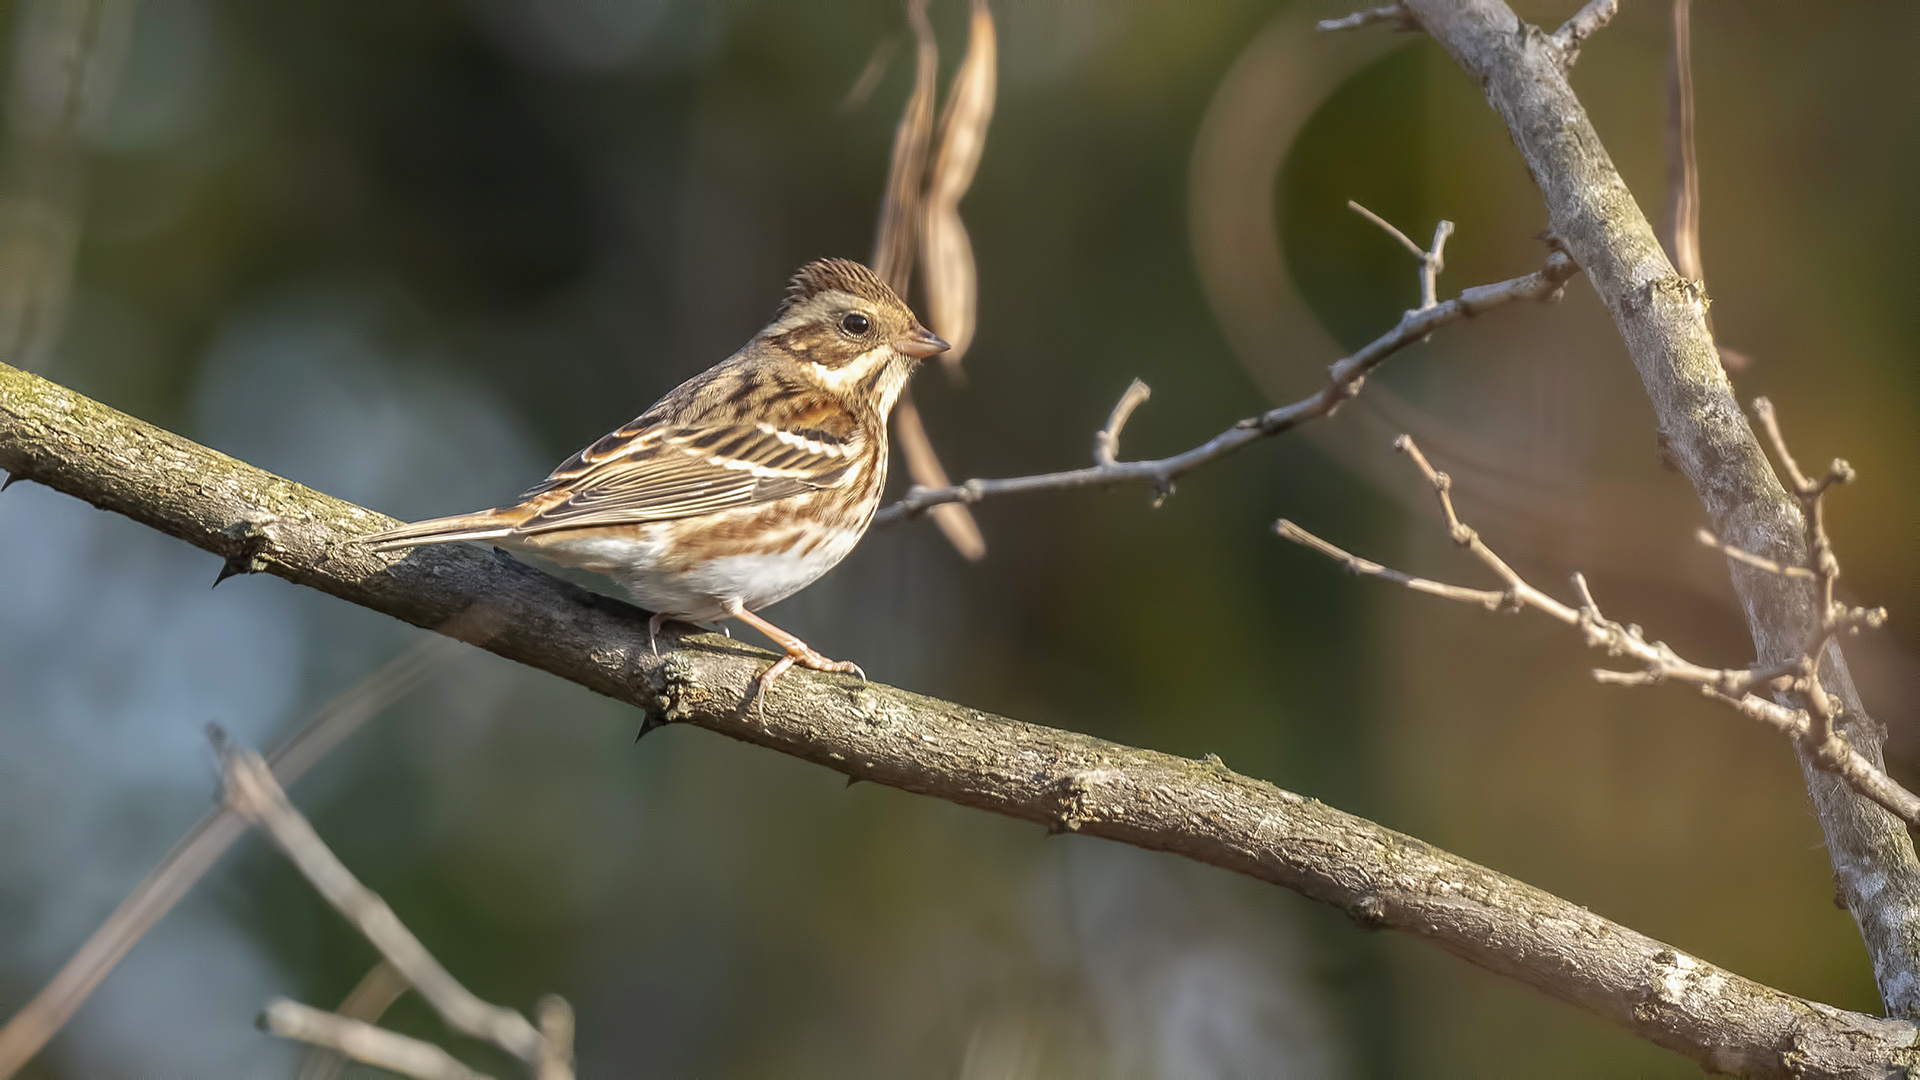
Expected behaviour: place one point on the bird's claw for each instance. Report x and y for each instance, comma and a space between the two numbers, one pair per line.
806, 658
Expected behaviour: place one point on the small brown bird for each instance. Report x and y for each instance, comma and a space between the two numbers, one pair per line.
744, 484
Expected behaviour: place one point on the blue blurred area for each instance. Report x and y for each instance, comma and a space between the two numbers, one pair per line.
413, 254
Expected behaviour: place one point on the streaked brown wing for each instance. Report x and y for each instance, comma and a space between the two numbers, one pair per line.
658, 474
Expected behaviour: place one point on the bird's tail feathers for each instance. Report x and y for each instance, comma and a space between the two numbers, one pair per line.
485, 525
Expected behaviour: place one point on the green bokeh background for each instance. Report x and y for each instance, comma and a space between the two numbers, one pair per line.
421, 203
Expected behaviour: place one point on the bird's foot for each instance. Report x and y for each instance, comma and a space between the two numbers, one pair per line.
799, 653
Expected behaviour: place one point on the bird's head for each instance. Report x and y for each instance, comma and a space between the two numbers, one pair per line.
844, 330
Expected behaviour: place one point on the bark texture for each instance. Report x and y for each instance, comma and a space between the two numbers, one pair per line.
1662, 317
256, 521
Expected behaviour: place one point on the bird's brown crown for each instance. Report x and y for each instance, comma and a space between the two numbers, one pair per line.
841, 275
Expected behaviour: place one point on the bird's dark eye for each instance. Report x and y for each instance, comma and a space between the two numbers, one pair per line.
855, 323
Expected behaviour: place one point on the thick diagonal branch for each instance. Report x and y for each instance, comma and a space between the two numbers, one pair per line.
1662, 317
1058, 779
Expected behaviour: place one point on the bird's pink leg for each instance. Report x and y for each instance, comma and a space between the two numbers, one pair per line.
653, 632
798, 652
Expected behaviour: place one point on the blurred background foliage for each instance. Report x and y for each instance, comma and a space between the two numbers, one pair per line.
412, 254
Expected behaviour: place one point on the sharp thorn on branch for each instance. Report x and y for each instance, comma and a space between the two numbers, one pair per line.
233, 566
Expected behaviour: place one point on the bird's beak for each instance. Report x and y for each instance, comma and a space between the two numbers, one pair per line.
921, 343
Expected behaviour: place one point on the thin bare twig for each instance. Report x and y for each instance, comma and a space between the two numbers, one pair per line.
1491, 599
1393, 13
28, 1031
252, 791
367, 1002
1658, 662
1344, 380
1432, 260
363, 1042
1585, 23
1707, 538
1390, 229
1836, 618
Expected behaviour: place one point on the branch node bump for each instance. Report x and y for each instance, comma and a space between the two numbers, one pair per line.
1369, 913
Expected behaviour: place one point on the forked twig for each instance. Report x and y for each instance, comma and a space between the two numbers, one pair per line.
253, 793
39, 1019
1812, 725
1432, 259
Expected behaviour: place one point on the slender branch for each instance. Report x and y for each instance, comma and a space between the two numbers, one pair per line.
1344, 380
1432, 260
1658, 662
254, 794
1059, 779
1586, 22
363, 1042
1391, 230
1706, 537
1661, 316
29, 1029
1491, 599
367, 1002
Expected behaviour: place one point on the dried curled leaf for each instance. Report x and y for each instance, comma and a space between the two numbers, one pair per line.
900, 215
946, 255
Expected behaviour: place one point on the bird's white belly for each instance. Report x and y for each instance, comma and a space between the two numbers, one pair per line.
705, 591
